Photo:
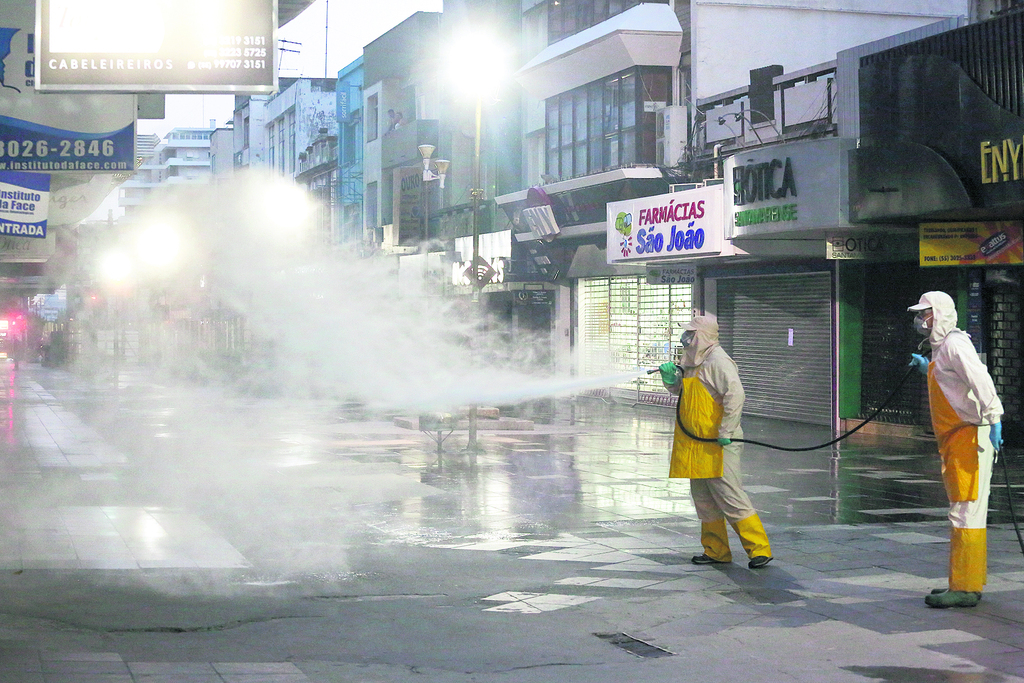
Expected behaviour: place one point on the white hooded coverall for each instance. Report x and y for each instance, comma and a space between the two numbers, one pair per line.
963, 404
711, 406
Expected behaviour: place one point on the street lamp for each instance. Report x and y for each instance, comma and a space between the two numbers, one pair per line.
441, 166
478, 65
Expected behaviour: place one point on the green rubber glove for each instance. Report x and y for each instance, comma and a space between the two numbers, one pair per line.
669, 373
722, 441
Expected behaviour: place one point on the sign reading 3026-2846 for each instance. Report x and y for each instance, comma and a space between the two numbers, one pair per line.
27, 146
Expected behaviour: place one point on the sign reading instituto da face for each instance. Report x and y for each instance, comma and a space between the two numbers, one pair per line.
140, 46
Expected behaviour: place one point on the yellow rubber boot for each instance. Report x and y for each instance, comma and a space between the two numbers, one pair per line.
753, 537
968, 559
714, 537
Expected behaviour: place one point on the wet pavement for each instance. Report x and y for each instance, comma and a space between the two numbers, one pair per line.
159, 532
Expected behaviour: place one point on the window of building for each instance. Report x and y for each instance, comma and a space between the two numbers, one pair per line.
282, 142
371, 205
607, 124
245, 133
272, 146
371, 118
291, 142
569, 17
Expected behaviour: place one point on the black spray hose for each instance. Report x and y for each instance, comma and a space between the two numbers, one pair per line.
1009, 499
836, 440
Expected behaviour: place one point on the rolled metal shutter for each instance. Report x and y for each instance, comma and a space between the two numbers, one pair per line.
778, 329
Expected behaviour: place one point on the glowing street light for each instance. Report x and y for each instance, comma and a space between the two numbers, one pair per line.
158, 245
116, 267
478, 65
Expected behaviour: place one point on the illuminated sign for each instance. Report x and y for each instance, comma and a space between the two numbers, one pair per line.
156, 46
56, 134
678, 224
1002, 161
971, 243
762, 182
463, 272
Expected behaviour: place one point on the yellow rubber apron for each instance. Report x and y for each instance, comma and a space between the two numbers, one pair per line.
702, 416
958, 449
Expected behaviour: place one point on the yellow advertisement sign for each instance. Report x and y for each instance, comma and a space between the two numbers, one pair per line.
978, 243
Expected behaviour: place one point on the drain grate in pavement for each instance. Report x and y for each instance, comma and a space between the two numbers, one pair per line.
633, 645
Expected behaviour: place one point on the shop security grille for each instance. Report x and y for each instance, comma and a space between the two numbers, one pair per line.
889, 339
626, 323
1006, 352
778, 329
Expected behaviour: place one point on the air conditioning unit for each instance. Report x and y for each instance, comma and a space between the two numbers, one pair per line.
671, 134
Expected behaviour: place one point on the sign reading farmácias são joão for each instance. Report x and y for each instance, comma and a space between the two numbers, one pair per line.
678, 224
976, 243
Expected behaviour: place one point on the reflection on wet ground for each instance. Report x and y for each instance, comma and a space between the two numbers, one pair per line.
903, 674
567, 541
594, 462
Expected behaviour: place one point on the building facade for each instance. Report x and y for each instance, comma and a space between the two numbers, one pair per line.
349, 109
183, 156
630, 100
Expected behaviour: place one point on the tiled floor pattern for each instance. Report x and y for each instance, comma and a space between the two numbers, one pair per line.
632, 532
649, 557
111, 537
56, 437
108, 537
108, 667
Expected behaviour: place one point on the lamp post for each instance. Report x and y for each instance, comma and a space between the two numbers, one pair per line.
478, 65
441, 167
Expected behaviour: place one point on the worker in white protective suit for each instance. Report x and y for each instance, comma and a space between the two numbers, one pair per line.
710, 407
966, 417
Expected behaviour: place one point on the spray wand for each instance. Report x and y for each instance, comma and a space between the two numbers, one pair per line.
836, 440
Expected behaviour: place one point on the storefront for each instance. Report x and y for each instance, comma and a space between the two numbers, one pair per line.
612, 318
769, 264
947, 161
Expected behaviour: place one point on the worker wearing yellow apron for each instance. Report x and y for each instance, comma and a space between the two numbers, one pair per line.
710, 406
966, 417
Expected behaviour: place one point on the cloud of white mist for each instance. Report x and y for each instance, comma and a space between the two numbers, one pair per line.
330, 324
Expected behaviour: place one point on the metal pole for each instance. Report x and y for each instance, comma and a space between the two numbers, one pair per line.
475, 192
426, 214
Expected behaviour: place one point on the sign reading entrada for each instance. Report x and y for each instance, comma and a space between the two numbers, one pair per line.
760, 182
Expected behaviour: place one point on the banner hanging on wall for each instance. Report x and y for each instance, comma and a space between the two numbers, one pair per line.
978, 243
24, 204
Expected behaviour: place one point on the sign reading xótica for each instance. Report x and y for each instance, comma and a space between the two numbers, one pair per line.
679, 224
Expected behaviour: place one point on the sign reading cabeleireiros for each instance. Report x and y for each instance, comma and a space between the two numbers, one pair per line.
135, 46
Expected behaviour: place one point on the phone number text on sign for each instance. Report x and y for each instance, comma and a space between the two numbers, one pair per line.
42, 149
